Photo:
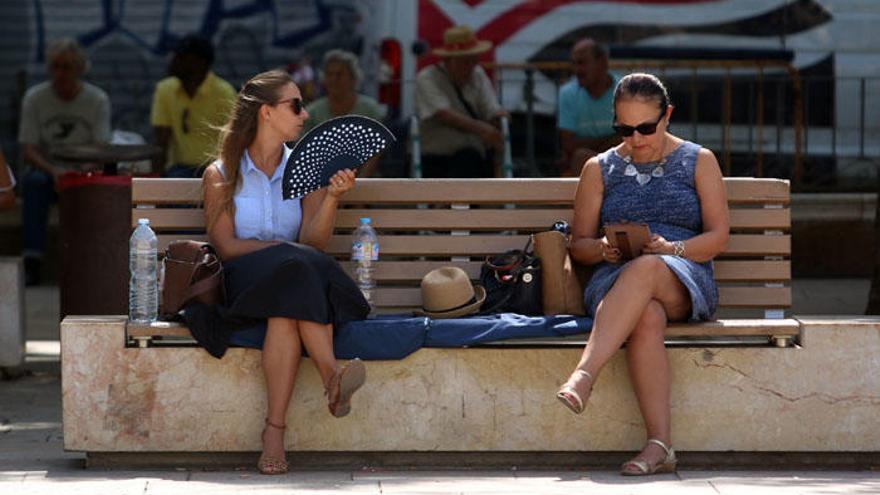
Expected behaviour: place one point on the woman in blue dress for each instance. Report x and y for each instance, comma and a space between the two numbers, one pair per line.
271, 249
676, 188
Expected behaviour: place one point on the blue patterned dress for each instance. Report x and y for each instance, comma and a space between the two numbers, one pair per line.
671, 208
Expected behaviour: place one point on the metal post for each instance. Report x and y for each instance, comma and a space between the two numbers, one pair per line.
834, 128
806, 97
507, 160
759, 125
726, 117
416, 147
862, 117
780, 118
751, 118
797, 123
530, 120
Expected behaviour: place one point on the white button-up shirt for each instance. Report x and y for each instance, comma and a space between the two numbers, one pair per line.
260, 211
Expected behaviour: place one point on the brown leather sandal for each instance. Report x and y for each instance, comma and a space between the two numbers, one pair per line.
569, 395
344, 383
641, 467
268, 464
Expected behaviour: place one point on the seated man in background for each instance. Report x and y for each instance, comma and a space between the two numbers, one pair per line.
62, 111
586, 113
189, 107
458, 110
7, 185
340, 77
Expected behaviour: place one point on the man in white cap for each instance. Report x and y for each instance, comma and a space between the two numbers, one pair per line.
458, 110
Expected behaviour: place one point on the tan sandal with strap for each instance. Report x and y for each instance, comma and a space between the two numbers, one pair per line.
568, 394
640, 467
344, 383
269, 464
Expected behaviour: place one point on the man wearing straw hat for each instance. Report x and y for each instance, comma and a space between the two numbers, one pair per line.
457, 108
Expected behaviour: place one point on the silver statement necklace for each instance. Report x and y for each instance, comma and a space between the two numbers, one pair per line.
643, 178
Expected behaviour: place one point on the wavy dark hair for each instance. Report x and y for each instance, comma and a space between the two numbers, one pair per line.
240, 131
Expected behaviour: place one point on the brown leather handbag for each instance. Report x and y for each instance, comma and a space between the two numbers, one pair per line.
193, 272
562, 292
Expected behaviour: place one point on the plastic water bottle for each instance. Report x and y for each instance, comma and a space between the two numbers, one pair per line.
365, 251
143, 289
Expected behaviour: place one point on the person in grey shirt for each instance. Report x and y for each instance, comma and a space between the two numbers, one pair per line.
64, 110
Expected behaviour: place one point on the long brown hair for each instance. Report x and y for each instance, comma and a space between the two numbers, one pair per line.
240, 131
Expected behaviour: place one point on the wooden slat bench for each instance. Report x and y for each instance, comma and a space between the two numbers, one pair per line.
424, 224
133, 393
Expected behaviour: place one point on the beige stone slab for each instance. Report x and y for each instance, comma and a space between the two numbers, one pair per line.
255, 483
839, 321
116, 487
785, 483
822, 396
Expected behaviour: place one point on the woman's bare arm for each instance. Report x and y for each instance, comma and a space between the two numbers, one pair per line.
716, 219
222, 233
586, 245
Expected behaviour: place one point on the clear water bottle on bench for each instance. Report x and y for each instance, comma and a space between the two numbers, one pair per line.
143, 291
365, 252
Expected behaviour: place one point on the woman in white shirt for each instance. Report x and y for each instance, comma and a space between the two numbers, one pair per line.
274, 268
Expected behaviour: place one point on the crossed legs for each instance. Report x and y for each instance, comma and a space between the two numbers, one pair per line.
636, 310
282, 353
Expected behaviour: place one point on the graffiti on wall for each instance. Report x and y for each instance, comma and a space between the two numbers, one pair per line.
129, 40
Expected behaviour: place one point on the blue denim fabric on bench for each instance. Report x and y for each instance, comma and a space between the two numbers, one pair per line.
397, 336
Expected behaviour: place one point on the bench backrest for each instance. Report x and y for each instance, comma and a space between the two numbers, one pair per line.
428, 223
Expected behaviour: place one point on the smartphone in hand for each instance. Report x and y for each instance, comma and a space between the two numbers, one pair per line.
629, 237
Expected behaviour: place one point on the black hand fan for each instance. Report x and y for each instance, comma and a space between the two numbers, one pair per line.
333, 145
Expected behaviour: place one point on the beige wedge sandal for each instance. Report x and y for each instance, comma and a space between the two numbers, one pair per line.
640, 467
568, 394
343, 385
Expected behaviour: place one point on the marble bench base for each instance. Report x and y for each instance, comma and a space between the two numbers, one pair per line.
12, 336
823, 396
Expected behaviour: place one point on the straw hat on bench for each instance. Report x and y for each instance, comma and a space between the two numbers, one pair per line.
447, 292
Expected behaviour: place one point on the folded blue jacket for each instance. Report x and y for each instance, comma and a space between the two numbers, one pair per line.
397, 336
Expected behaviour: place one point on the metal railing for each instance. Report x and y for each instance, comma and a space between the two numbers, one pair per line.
759, 111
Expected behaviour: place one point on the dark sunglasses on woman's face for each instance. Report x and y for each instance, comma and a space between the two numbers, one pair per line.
296, 105
645, 129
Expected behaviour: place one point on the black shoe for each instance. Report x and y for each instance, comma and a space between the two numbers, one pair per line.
33, 271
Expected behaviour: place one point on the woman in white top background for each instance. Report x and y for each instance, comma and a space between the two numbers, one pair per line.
274, 268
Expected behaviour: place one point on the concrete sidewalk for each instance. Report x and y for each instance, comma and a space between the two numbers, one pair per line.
32, 459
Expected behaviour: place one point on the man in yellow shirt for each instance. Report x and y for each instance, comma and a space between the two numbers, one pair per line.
189, 107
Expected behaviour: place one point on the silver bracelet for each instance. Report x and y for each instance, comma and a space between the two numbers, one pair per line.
6, 189
678, 249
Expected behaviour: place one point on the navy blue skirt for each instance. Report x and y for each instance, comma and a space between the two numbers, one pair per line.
286, 280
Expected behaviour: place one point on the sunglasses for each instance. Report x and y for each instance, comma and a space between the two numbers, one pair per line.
645, 129
296, 105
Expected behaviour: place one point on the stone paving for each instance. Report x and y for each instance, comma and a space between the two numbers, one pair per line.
32, 460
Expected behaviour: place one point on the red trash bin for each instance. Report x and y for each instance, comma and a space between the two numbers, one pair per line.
95, 224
